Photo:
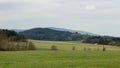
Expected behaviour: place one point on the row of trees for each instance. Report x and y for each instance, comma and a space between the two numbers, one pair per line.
105, 40
16, 46
12, 41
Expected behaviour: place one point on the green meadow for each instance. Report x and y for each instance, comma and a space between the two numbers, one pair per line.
64, 57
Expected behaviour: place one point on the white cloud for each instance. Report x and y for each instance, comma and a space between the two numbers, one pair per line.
90, 7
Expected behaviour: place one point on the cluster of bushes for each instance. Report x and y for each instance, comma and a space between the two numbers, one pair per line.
95, 49
85, 49
12, 41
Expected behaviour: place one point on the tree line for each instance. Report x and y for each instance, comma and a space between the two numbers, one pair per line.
12, 41
105, 40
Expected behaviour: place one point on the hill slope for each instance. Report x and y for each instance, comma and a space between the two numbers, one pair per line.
73, 31
18, 30
50, 34
61, 29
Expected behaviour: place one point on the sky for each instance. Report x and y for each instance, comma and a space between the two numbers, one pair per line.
96, 16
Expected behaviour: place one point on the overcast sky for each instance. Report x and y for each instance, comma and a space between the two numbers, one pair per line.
96, 16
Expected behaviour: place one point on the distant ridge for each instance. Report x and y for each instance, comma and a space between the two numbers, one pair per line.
61, 29
18, 30
73, 31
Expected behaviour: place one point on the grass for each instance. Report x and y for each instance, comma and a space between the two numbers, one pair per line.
62, 58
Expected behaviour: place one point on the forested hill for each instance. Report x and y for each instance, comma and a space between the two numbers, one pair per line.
50, 34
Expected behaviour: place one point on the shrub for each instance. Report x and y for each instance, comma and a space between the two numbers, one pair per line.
73, 48
85, 49
54, 47
89, 49
104, 49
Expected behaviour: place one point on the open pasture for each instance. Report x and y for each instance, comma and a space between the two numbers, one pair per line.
64, 57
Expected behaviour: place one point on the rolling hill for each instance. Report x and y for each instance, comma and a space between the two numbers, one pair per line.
61, 29
51, 34
18, 30
73, 31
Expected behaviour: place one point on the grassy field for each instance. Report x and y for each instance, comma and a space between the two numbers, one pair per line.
64, 57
